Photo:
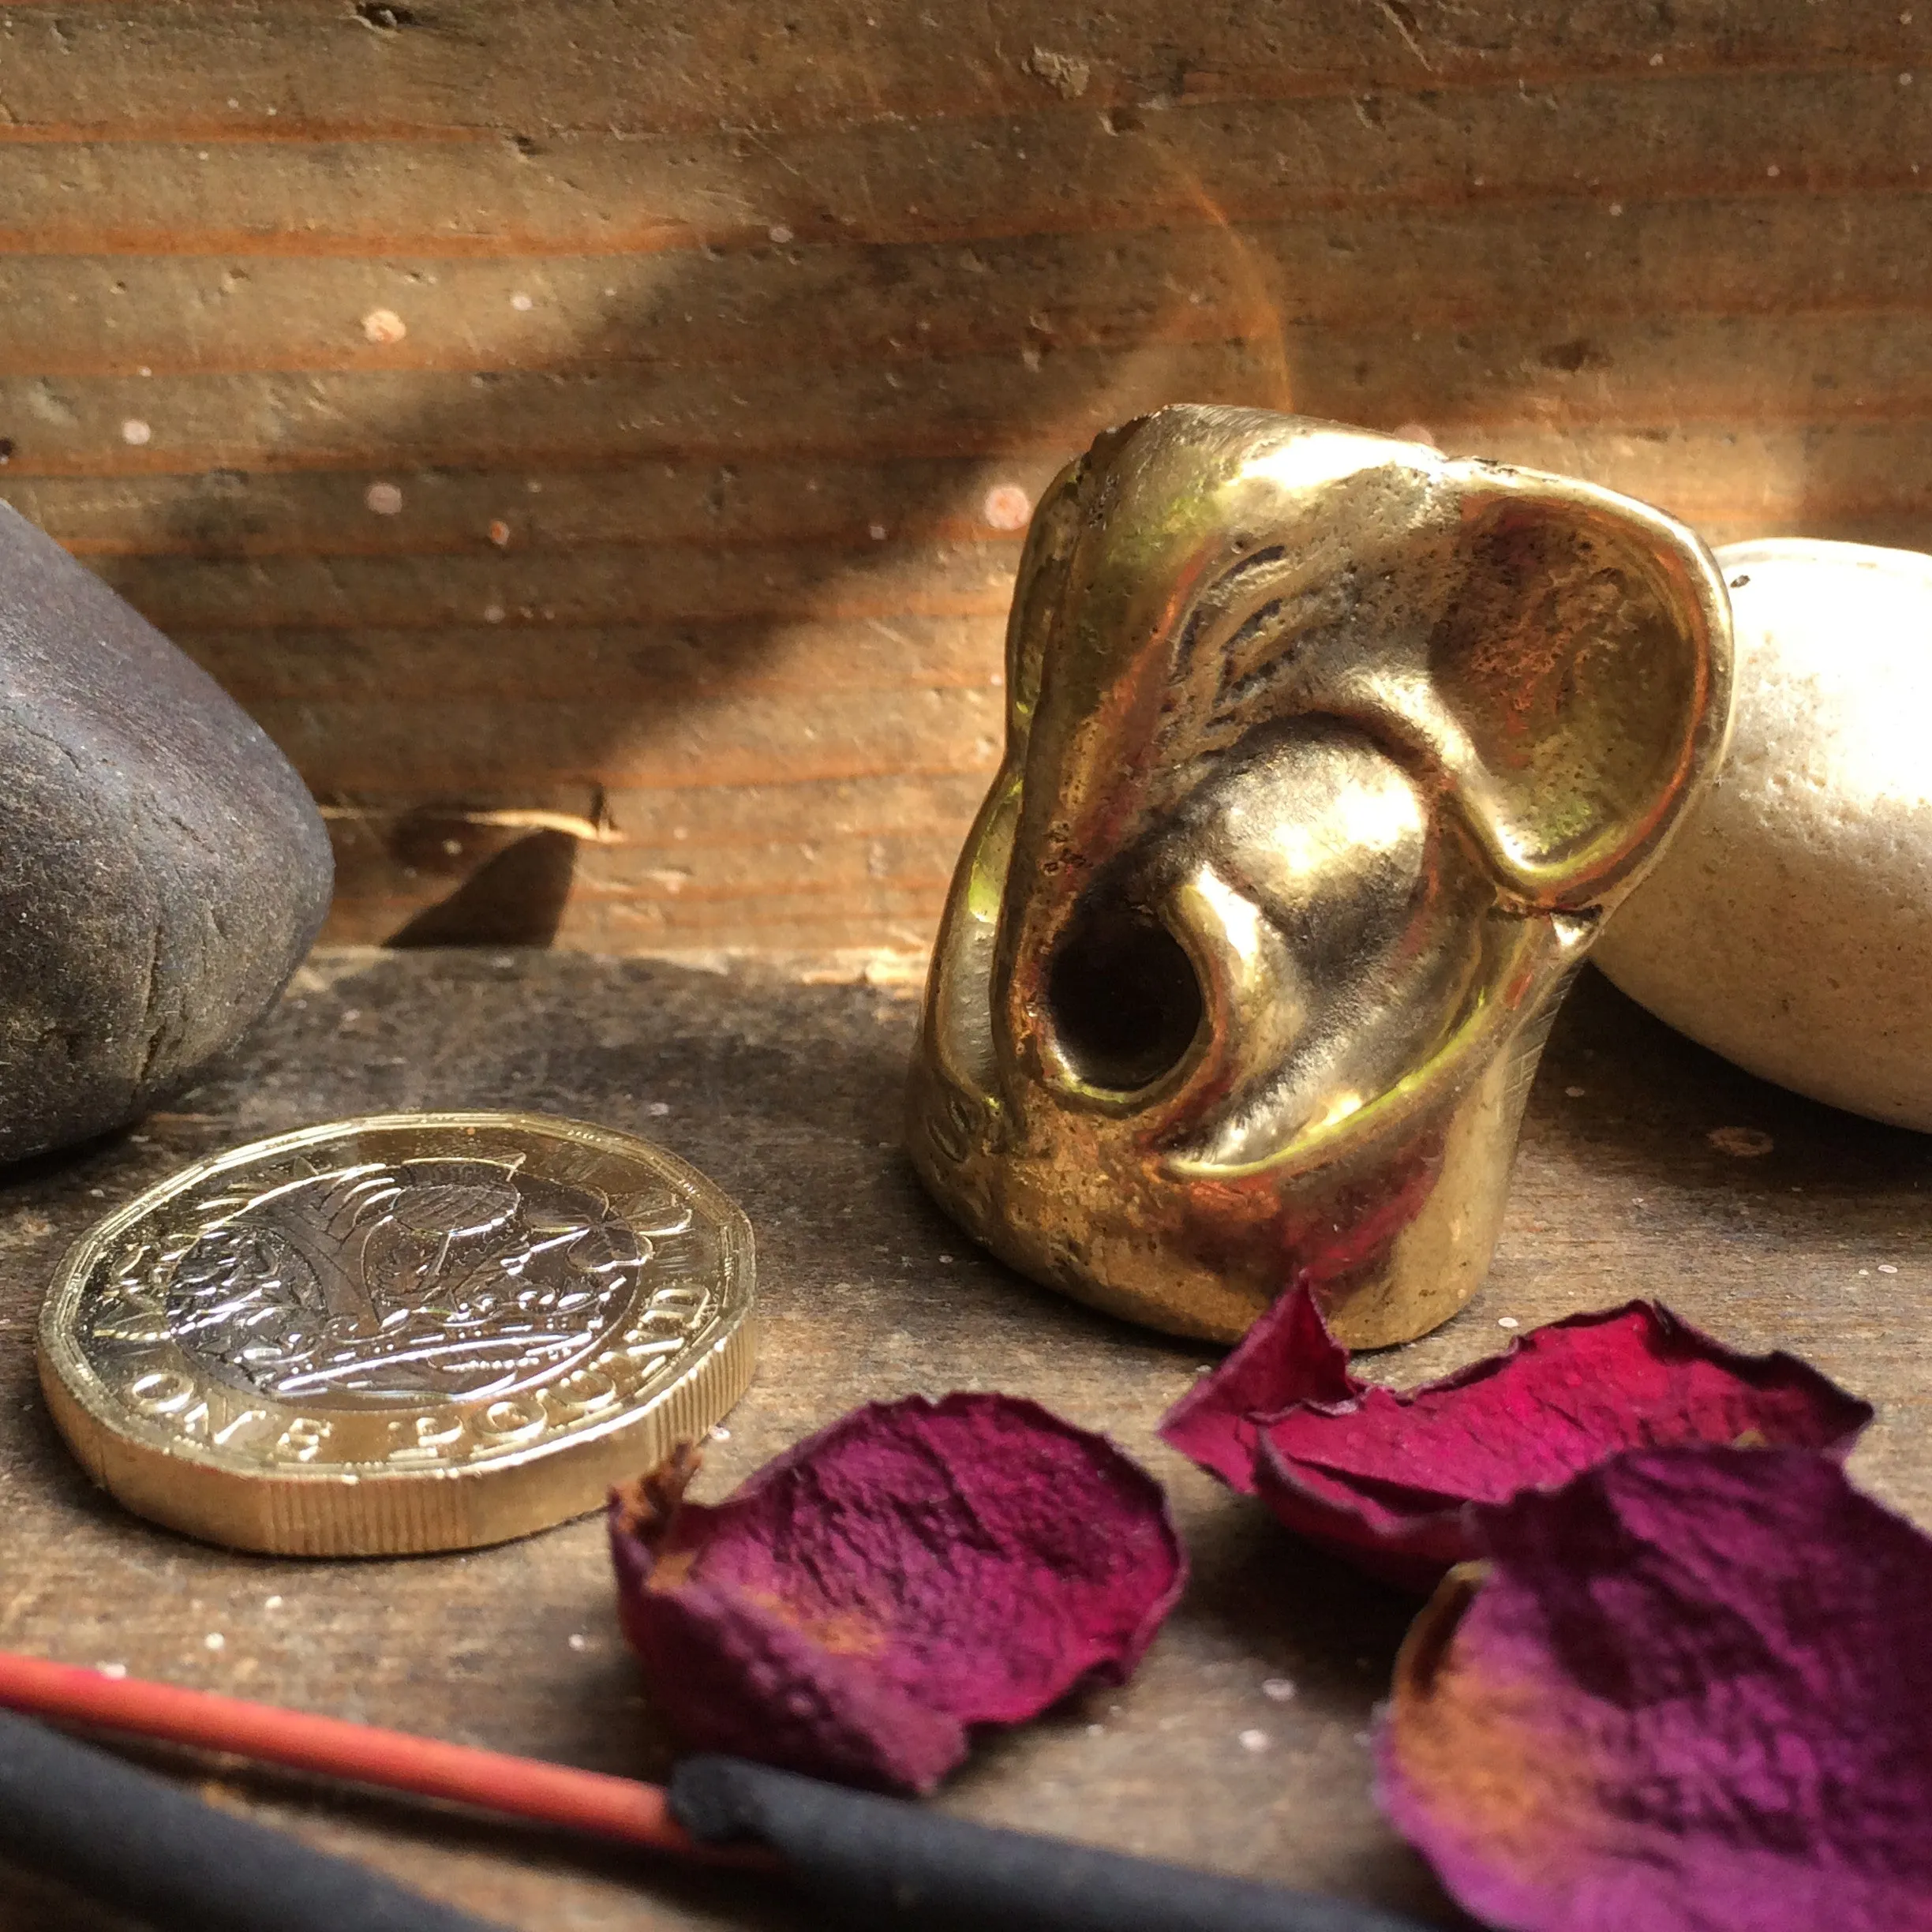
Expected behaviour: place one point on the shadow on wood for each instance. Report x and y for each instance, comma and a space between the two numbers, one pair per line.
515, 897
627, 418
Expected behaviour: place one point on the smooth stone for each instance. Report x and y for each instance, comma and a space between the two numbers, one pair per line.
162, 868
1788, 926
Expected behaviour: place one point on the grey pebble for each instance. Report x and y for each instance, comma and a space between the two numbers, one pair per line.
163, 869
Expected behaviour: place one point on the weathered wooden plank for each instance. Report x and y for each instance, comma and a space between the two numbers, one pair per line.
310, 68
582, 585
232, 514
1775, 255
617, 414
457, 746
623, 664
1064, 168
1718, 478
1866, 481
517, 406
1780, 373
717, 865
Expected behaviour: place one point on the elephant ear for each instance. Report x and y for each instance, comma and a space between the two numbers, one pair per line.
1581, 663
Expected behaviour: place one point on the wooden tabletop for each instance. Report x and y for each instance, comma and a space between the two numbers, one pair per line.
788, 1095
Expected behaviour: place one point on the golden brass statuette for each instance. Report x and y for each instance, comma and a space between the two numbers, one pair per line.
413, 1332
1326, 756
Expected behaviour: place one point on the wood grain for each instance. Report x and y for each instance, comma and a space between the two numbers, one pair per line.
789, 1097
600, 402
467, 65
1068, 168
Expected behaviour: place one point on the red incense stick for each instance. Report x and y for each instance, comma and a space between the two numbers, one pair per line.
527, 1787
848, 1849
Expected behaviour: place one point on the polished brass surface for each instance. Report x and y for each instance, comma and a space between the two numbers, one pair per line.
407, 1332
1326, 756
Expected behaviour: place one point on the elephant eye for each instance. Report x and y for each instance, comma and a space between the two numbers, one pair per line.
1123, 998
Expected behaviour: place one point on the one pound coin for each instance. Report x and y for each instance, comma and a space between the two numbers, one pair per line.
421, 1332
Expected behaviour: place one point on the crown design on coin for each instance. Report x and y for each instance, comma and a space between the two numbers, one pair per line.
436, 1277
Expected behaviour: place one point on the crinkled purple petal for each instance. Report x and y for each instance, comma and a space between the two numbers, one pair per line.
1689, 1692
1286, 1359
914, 1569
1385, 1477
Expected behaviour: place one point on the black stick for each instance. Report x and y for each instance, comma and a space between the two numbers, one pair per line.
133, 1841
879, 1862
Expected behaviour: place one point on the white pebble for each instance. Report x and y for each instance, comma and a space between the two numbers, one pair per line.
1277, 1689
1254, 1740
136, 432
1788, 924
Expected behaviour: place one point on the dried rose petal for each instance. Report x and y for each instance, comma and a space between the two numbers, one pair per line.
1384, 1478
1287, 1359
1689, 1695
917, 1567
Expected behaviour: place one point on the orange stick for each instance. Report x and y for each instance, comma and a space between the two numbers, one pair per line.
526, 1788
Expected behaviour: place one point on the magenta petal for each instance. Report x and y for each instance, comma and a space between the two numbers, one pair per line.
1385, 1478
914, 1569
1690, 1694
1288, 1357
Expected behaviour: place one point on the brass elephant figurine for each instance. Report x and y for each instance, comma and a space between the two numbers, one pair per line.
1327, 755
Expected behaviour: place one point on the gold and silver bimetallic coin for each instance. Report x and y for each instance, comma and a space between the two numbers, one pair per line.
409, 1332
